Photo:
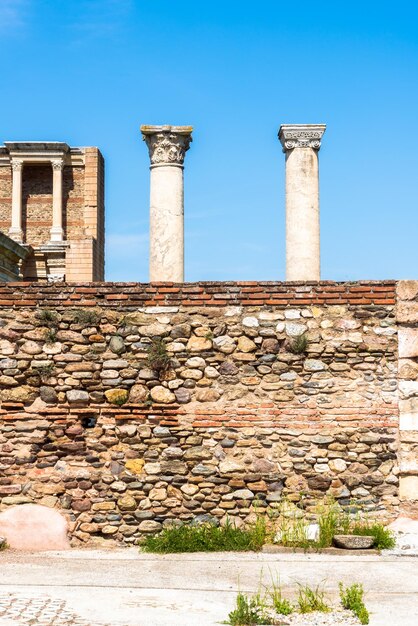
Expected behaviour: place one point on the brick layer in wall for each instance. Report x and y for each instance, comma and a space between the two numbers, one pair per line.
198, 294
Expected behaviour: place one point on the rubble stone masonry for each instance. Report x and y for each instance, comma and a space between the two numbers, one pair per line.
245, 412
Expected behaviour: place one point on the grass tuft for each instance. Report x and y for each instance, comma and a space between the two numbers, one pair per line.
310, 600
157, 356
47, 317
384, 538
206, 538
299, 345
281, 605
85, 316
249, 611
292, 524
352, 600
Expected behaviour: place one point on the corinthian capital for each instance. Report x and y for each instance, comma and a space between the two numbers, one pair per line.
301, 136
167, 145
17, 165
57, 164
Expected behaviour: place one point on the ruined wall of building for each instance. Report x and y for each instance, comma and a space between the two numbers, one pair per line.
80, 254
89, 426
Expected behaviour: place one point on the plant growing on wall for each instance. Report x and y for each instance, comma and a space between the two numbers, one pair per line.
51, 335
299, 344
82, 316
48, 318
157, 356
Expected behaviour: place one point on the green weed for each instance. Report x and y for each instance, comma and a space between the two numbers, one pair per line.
352, 600
48, 317
84, 316
157, 356
310, 600
384, 539
280, 604
50, 335
206, 538
299, 345
249, 611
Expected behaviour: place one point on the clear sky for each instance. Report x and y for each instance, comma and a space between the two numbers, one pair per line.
89, 72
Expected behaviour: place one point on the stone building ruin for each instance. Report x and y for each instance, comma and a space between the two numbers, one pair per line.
92, 426
52, 205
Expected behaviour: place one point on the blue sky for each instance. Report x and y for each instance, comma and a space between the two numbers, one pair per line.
89, 72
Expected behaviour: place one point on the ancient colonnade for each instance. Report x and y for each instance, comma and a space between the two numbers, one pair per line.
22, 154
167, 148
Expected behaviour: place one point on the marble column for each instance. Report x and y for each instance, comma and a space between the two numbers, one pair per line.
57, 232
301, 143
167, 146
15, 230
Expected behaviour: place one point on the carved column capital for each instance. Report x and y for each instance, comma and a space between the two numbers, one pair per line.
57, 164
293, 136
17, 165
167, 145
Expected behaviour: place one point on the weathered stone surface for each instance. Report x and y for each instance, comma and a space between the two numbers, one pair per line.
182, 395
337, 465
149, 526
250, 322
313, 365
127, 503
407, 312
228, 369
117, 345
138, 394
116, 396
135, 466
230, 465
197, 454
407, 289
243, 494
34, 528
162, 395
293, 329
77, 396
246, 345
408, 342
225, 344
199, 344
153, 330
48, 394
31, 347
109, 530
354, 542
207, 395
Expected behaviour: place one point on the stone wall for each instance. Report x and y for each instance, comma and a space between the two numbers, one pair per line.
407, 317
240, 415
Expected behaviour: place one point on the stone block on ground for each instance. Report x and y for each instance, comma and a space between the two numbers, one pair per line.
353, 542
34, 528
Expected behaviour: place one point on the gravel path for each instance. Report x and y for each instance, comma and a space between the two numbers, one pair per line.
341, 618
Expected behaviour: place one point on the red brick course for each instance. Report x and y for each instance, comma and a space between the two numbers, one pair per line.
134, 295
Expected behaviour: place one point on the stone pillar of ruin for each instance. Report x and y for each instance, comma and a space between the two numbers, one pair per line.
15, 230
301, 143
57, 232
167, 146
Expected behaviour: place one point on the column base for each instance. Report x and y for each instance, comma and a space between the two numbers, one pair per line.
16, 234
56, 233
